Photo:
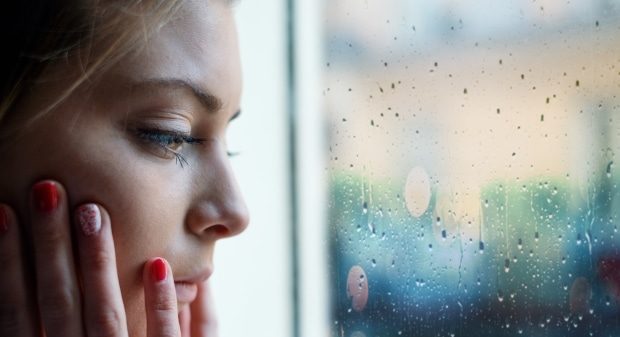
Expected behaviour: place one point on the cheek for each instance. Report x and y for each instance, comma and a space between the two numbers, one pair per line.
145, 197
145, 211
145, 206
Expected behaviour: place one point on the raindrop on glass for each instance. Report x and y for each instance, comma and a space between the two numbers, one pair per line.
417, 191
357, 288
580, 295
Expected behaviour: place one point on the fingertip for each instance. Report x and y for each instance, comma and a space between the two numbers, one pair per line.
160, 299
88, 218
159, 269
46, 195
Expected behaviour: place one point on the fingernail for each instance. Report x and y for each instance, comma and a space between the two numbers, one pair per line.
45, 196
4, 220
89, 219
158, 269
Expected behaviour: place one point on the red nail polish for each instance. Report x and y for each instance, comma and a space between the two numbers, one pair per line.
158, 269
4, 220
45, 196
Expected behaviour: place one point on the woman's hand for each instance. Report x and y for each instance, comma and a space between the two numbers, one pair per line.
198, 320
75, 295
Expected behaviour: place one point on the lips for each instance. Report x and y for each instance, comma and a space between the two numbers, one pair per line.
186, 292
187, 286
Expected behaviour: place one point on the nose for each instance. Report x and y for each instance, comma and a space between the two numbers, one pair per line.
218, 210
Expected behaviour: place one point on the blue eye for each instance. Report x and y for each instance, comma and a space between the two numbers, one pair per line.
171, 142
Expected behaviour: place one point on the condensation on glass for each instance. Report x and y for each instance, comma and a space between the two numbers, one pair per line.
473, 169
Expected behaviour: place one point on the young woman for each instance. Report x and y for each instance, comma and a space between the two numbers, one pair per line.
115, 181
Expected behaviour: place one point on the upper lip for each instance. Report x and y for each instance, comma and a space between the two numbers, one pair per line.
200, 276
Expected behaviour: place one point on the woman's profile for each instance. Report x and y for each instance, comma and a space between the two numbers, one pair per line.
115, 179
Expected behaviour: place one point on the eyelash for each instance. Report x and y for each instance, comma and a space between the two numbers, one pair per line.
165, 138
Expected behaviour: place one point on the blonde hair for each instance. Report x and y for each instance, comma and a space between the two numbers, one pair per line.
95, 33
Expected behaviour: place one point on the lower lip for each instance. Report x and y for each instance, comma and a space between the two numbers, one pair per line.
186, 292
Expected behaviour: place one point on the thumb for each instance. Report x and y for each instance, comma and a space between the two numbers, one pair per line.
160, 299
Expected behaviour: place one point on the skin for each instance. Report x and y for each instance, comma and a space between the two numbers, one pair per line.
92, 145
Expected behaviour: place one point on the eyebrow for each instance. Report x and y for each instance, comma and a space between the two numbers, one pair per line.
210, 102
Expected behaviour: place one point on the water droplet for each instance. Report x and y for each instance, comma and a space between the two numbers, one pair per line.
507, 265
520, 244
536, 236
371, 227
500, 296
481, 247
417, 191
443, 234
365, 207
357, 288
609, 167
580, 295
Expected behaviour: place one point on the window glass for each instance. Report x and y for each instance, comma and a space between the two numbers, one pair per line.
473, 169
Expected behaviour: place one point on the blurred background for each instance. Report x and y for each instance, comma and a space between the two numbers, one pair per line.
426, 168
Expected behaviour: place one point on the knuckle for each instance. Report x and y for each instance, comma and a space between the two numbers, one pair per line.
108, 323
167, 330
57, 306
165, 305
97, 258
50, 237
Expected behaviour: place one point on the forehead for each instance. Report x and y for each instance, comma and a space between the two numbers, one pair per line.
199, 45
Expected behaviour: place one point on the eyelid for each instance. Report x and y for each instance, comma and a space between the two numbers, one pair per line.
166, 139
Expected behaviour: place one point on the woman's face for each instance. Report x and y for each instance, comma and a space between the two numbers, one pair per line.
128, 141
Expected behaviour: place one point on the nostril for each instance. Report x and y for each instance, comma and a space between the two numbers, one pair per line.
221, 230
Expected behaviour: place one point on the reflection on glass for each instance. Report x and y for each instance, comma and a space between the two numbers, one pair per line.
474, 182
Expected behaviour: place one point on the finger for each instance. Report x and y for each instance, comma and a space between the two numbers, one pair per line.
57, 287
184, 321
18, 316
160, 300
104, 314
204, 322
